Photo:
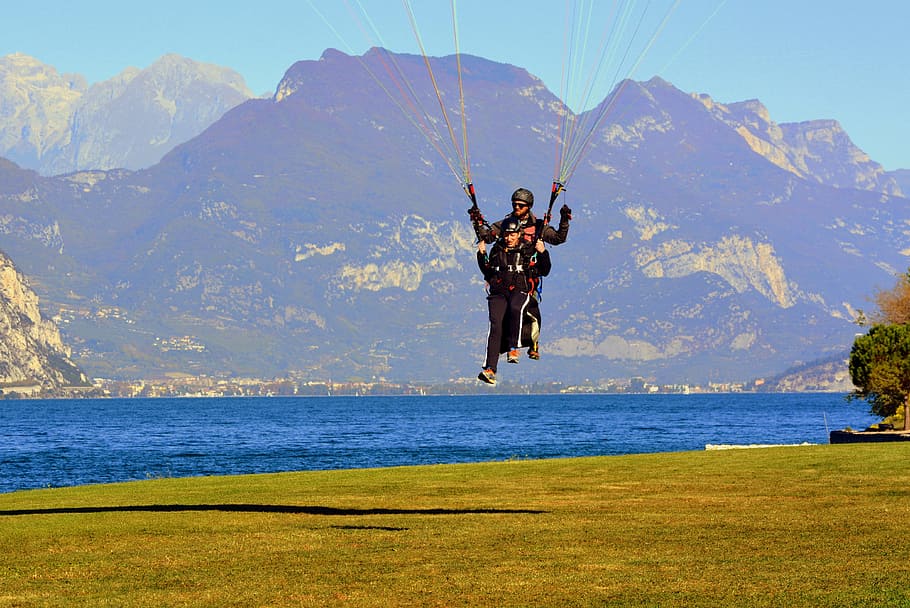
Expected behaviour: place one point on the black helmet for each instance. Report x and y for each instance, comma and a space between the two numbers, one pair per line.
511, 226
524, 195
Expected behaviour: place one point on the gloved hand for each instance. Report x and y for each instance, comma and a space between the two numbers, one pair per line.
475, 215
565, 214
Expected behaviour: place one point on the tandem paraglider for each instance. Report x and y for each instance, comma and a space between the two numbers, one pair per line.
603, 44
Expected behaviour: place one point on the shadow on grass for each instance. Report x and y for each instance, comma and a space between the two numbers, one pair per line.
382, 528
249, 508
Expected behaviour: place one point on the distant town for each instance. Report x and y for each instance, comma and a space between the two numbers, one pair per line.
206, 386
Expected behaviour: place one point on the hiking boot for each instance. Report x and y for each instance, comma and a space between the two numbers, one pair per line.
487, 375
533, 353
513, 356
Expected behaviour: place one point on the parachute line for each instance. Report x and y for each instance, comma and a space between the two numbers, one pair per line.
616, 48
692, 38
464, 120
624, 31
432, 75
406, 98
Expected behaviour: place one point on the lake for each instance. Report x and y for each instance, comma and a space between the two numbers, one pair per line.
52, 443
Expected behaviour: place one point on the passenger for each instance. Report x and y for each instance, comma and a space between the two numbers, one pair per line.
510, 269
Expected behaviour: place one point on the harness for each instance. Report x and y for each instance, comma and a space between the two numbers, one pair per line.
509, 268
512, 264
536, 283
531, 233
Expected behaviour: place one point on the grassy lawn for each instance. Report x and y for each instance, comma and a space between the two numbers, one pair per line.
791, 526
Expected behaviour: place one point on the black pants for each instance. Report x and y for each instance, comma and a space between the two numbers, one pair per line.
506, 316
530, 328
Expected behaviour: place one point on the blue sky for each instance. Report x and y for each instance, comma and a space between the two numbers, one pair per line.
804, 59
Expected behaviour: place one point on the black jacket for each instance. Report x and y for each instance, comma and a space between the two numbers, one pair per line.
508, 269
530, 224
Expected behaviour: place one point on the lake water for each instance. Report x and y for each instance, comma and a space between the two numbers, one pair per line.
53, 443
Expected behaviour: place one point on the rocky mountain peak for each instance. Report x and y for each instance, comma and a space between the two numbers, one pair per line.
36, 104
819, 150
303, 73
56, 124
179, 72
826, 153
31, 69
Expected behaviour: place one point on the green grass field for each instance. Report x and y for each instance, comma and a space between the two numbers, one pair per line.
790, 526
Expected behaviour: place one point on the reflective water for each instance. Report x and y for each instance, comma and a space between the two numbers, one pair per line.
74, 442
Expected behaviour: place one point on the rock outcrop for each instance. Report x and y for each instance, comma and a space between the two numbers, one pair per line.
33, 358
819, 150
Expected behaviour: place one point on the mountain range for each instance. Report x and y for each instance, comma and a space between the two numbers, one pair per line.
317, 233
55, 123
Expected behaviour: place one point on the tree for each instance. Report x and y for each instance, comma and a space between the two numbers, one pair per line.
880, 369
894, 304
880, 360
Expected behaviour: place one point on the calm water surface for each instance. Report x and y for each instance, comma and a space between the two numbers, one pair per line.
73, 442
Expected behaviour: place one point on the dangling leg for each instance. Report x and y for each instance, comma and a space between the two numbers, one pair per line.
496, 304
518, 302
532, 326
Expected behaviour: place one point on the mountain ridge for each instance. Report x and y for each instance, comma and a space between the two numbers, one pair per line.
320, 234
